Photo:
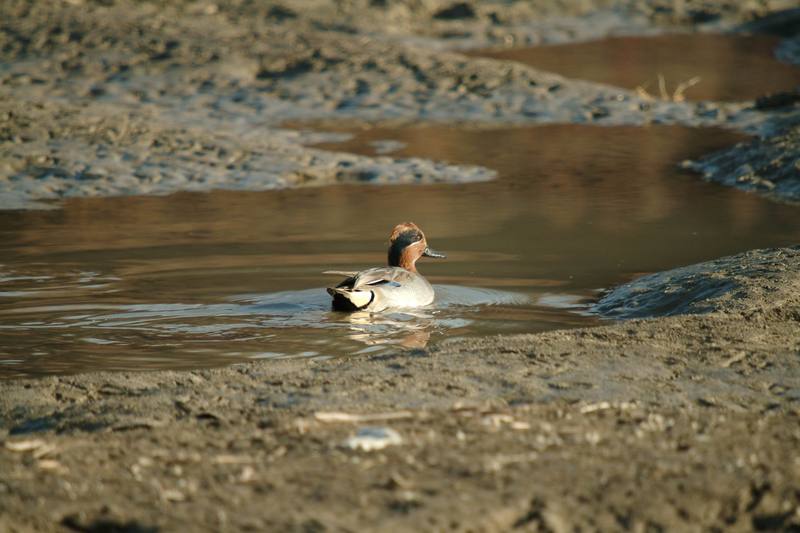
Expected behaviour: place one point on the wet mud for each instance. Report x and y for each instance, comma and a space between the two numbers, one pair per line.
685, 422
768, 166
681, 414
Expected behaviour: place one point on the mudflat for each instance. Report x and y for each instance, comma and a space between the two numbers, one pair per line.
681, 413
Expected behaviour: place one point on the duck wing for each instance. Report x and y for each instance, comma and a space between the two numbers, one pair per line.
393, 276
348, 273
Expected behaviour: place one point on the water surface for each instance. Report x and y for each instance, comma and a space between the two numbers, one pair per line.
728, 67
195, 280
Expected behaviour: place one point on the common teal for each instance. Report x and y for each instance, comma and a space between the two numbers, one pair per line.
396, 285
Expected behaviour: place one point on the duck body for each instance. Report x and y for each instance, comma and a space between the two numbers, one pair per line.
380, 288
397, 285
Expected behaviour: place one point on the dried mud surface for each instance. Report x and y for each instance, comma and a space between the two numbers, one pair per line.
685, 416
107, 98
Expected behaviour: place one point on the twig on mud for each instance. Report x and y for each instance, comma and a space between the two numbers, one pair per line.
229, 459
25, 445
334, 416
602, 406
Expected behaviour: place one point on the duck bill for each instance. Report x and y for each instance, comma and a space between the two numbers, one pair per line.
429, 252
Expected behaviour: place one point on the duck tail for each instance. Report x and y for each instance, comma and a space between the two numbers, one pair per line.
345, 299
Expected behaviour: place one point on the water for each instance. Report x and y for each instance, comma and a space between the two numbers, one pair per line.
197, 280
729, 67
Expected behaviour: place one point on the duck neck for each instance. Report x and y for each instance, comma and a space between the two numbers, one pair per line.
403, 257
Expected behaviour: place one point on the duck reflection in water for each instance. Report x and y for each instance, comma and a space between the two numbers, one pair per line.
407, 330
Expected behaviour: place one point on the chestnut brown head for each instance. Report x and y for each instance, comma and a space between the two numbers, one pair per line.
407, 244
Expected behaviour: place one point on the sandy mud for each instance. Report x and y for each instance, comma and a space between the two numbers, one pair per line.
688, 422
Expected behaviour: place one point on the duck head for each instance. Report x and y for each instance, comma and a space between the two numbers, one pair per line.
407, 244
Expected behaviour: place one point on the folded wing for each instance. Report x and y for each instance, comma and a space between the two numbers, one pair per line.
374, 277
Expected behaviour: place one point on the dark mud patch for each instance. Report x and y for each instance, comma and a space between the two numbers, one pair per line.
769, 166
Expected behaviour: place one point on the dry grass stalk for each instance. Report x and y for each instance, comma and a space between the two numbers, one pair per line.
677, 95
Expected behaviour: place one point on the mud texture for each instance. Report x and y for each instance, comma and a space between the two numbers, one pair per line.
730, 283
770, 166
109, 98
54, 151
685, 418
690, 422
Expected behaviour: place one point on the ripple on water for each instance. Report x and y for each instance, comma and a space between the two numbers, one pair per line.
285, 324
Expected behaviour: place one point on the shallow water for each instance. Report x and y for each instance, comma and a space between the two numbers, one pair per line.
729, 67
197, 280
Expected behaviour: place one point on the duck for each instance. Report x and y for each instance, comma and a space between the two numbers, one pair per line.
398, 285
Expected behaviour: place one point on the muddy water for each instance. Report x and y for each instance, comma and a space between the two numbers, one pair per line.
196, 280
727, 67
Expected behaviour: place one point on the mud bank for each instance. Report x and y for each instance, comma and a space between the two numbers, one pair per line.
669, 423
685, 421
744, 283
97, 95
769, 166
